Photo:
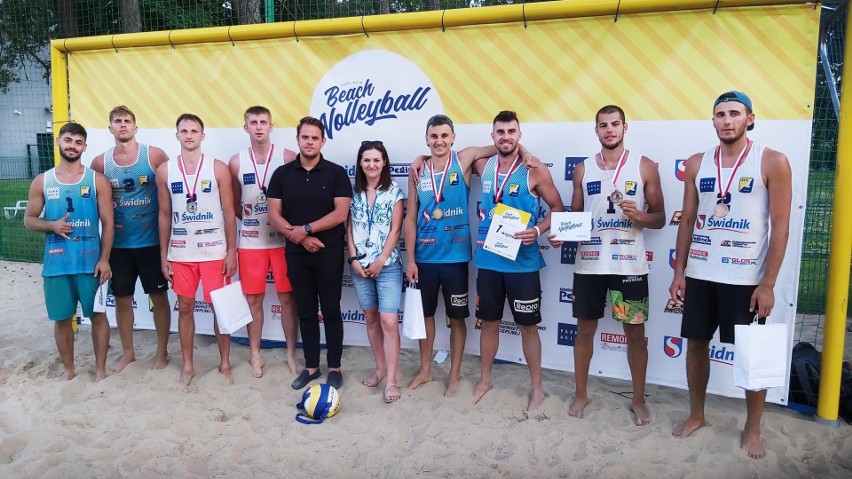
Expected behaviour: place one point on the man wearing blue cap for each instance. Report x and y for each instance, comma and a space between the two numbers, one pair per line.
735, 193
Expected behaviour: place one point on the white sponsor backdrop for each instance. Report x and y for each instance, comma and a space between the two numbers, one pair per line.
559, 145
357, 104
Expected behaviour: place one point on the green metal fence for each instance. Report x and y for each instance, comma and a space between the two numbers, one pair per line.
26, 26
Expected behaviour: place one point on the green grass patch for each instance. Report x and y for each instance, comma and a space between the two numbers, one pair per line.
17, 243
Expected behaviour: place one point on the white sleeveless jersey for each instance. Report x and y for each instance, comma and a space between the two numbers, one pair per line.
255, 230
198, 236
617, 245
730, 249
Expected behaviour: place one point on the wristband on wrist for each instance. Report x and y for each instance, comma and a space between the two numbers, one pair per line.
537, 230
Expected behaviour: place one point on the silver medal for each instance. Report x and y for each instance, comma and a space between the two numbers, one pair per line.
721, 210
261, 199
192, 207
616, 197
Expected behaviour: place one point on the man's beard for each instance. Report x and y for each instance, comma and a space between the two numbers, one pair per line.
68, 159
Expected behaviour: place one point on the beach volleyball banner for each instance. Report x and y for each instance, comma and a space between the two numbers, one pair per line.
665, 69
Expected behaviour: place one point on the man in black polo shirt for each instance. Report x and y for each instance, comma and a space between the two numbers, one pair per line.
308, 202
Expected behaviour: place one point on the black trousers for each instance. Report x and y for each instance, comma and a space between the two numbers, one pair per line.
317, 280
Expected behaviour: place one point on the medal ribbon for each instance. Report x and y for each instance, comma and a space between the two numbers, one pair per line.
498, 192
618, 167
439, 193
265, 170
718, 158
190, 195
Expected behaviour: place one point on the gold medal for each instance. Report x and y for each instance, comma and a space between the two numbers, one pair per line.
437, 213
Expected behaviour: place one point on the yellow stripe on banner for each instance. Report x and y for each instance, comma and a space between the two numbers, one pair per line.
659, 66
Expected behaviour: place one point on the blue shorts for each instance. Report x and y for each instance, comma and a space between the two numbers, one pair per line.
382, 292
61, 294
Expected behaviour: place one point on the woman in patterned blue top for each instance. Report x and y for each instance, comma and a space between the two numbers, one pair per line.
375, 222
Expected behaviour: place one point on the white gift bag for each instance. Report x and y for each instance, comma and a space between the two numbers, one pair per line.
413, 323
760, 355
231, 307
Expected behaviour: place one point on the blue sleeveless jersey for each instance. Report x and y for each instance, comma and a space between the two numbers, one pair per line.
80, 253
134, 194
517, 195
443, 229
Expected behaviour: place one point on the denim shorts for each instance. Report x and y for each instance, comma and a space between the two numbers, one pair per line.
383, 292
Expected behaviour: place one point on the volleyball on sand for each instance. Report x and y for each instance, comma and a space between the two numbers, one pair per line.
319, 402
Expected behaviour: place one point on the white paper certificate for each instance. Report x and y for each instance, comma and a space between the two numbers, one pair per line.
571, 226
500, 239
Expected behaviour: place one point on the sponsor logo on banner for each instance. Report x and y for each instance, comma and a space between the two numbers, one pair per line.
353, 316
571, 162
673, 306
672, 262
566, 334
566, 295
616, 342
275, 309
568, 252
649, 256
352, 97
746, 184
347, 281
676, 218
698, 254
596, 240
251, 222
200, 307
673, 346
110, 302
700, 220
510, 327
680, 170
399, 170
621, 241
722, 354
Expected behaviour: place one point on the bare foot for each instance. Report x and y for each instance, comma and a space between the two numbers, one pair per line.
452, 385
125, 360
392, 393
482, 387
256, 365
186, 377
577, 407
374, 380
686, 428
753, 445
293, 364
100, 375
536, 398
161, 361
69, 374
421, 378
641, 416
225, 370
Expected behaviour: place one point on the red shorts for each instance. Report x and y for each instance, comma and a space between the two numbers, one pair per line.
187, 275
255, 265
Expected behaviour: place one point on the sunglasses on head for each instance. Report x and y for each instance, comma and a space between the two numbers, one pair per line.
372, 143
